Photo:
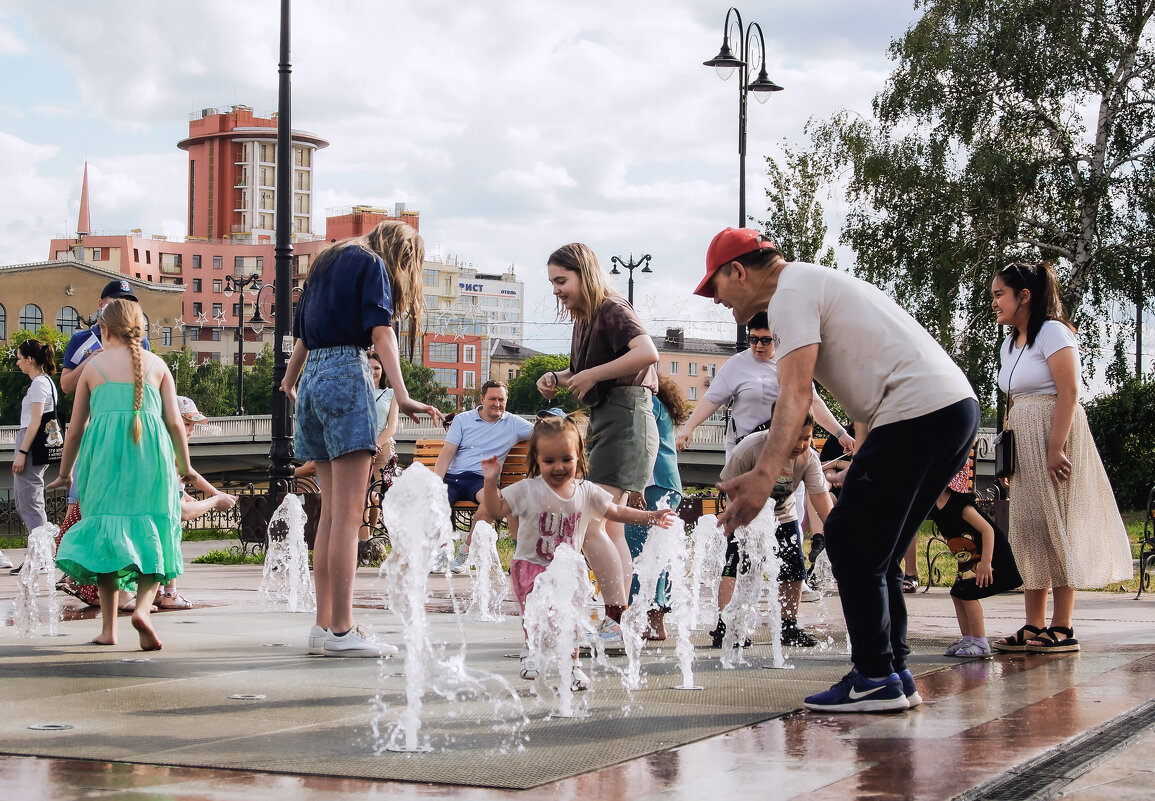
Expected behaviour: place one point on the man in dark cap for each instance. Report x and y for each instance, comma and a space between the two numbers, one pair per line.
86, 342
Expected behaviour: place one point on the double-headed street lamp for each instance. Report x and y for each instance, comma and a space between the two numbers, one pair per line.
239, 284
762, 87
631, 265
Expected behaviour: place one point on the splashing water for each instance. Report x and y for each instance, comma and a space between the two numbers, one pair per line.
37, 583
286, 583
757, 542
663, 553
556, 623
490, 585
416, 513
709, 545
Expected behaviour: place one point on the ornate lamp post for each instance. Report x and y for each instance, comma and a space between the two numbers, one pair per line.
631, 265
762, 87
239, 284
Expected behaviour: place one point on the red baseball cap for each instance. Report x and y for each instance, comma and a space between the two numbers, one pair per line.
725, 248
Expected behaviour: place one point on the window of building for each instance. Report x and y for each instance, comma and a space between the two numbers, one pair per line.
693, 394
218, 262
218, 310
136, 255
238, 264
260, 263
3, 322
218, 285
692, 368
673, 368
198, 308
445, 376
166, 336
100, 254
148, 257
68, 321
443, 352
469, 379
236, 310
469, 354
216, 337
196, 261
512, 374
429, 278
710, 368
196, 285
31, 317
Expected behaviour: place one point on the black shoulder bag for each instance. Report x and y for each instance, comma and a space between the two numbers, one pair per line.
1005, 441
48, 446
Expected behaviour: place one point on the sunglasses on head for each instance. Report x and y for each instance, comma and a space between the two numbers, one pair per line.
763, 341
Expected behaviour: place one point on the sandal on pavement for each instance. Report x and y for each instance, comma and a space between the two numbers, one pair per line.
909, 584
173, 600
971, 650
1046, 642
1017, 641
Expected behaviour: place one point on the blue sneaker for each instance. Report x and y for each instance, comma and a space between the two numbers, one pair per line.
909, 688
856, 693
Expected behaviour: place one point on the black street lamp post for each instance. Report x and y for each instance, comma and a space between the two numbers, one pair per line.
725, 63
239, 283
631, 265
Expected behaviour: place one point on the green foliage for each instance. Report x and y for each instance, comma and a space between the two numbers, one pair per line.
230, 557
424, 387
1009, 129
258, 387
1122, 422
796, 223
14, 384
523, 395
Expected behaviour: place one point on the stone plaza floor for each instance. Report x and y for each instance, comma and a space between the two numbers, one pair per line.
1015, 726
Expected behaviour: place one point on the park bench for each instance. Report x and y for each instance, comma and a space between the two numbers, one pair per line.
1147, 546
513, 469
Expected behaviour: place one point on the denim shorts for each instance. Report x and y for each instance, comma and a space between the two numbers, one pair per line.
335, 410
464, 486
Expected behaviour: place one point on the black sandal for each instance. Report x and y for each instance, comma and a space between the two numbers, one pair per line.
1048, 643
909, 584
1018, 641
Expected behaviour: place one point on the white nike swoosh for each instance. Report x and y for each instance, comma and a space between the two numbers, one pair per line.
855, 695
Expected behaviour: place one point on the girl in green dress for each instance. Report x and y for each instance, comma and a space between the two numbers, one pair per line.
126, 427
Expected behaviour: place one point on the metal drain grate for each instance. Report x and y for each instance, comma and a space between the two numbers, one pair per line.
1047, 774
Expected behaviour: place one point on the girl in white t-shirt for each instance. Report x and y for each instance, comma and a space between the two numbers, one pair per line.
555, 505
37, 361
1065, 529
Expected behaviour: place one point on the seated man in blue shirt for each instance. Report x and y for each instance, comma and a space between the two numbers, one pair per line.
475, 435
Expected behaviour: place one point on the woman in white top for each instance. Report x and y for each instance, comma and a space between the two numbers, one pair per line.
37, 361
1065, 529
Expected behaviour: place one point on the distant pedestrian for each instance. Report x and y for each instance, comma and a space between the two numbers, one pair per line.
36, 360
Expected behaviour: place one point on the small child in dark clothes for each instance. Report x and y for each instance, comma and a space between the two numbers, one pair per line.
986, 565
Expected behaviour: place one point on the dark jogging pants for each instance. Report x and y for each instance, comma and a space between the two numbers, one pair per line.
895, 478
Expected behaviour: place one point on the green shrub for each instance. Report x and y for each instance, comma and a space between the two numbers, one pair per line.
1122, 423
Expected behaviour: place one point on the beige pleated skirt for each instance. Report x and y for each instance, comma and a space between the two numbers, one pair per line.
1068, 534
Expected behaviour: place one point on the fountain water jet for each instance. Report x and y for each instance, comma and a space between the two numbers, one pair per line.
37, 583
490, 585
286, 582
757, 542
416, 513
708, 542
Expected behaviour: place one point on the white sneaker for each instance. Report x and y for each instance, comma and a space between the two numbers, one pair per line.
441, 564
578, 679
609, 633
809, 596
317, 637
529, 670
356, 642
4, 560
457, 566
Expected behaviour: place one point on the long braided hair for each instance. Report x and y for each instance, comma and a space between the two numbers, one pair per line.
124, 320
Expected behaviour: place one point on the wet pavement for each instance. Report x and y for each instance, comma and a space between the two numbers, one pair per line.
982, 722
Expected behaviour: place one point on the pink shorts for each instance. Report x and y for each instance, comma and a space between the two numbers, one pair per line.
522, 575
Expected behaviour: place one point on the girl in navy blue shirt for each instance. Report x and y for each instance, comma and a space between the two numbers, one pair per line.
354, 291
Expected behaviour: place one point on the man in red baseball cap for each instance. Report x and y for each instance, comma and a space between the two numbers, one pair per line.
922, 416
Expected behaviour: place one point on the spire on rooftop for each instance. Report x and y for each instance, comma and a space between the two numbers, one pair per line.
83, 223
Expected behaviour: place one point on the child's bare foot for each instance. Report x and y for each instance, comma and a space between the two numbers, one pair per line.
148, 639
102, 640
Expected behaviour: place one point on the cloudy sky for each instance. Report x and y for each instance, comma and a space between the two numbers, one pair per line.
513, 127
